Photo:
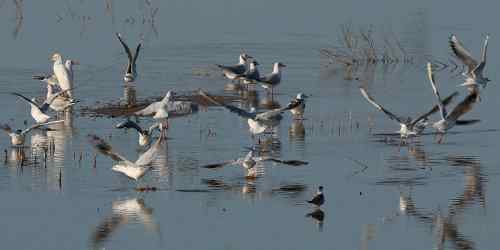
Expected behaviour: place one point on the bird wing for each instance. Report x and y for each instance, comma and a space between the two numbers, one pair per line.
238, 111
387, 112
5, 127
462, 53
45, 106
270, 78
273, 114
293, 104
147, 157
136, 55
106, 149
430, 74
149, 110
37, 125
219, 165
153, 127
434, 109
127, 50
27, 99
286, 162
463, 107
237, 69
481, 65
129, 124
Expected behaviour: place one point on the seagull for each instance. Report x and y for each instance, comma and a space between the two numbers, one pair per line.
39, 112
251, 75
298, 105
60, 103
450, 120
133, 170
69, 67
131, 72
64, 77
231, 72
409, 126
273, 79
250, 161
144, 134
154, 107
319, 198
17, 137
257, 122
475, 70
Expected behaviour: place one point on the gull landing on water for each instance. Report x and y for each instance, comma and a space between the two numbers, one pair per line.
231, 72
409, 126
17, 137
144, 134
39, 112
131, 71
475, 70
133, 170
448, 121
250, 162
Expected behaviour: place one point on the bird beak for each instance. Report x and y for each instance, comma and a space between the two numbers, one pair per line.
282, 65
76, 62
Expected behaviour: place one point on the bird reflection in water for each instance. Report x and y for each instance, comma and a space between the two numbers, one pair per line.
129, 95
318, 216
130, 211
297, 132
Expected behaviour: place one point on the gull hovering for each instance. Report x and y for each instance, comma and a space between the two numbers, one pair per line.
250, 161
18, 136
474, 74
258, 122
273, 79
39, 112
231, 72
408, 126
448, 121
131, 70
144, 134
133, 170
63, 75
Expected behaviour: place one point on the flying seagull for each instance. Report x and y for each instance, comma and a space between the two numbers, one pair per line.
39, 112
144, 134
18, 136
133, 170
250, 161
448, 121
474, 74
231, 72
131, 71
258, 122
408, 126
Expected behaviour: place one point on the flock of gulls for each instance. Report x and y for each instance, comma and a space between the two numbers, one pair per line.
60, 98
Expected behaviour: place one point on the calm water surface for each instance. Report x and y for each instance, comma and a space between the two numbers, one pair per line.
380, 195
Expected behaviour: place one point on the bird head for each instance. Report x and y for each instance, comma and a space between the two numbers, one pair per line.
301, 96
56, 57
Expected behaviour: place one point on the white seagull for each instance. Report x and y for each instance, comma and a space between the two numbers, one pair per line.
154, 107
408, 126
131, 70
231, 72
17, 137
250, 161
257, 122
450, 120
64, 77
144, 134
133, 170
475, 70
39, 112
61, 102
273, 79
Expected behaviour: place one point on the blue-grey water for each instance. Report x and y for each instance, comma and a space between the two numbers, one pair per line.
379, 194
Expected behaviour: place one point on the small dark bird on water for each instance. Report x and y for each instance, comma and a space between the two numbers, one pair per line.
319, 198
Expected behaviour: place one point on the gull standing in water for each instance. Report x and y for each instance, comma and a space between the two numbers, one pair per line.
64, 77
251, 75
450, 120
18, 136
298, 105
39, 112
257, 122
319, 198
273, 79
475, 70
409, 126
133, 170
144, 134
131, 72
231, 72
250, 161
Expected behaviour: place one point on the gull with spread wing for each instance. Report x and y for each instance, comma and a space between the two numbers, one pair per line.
408, 126
144, 134
18, 136
448, 121
39, 112
131, 70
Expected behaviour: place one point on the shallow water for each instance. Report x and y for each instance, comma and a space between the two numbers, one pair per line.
380, 194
